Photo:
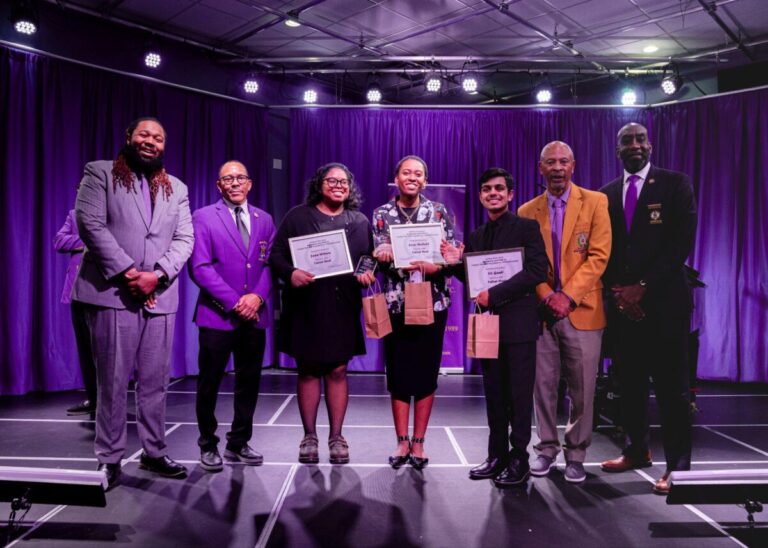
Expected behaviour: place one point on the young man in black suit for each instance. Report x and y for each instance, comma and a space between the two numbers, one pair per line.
653, 221
509, 380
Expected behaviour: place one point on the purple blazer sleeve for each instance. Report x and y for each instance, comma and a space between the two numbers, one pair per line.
67, 240
201, 267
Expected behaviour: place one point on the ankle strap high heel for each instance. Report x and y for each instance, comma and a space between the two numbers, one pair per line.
418, 462
396, 461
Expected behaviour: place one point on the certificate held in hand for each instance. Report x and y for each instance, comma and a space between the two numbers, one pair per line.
323, 254
485, 269
416, 242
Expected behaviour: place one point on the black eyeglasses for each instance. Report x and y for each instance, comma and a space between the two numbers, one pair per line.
333, 182
227, 180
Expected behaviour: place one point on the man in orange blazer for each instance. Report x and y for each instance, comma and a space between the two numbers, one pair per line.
577, 233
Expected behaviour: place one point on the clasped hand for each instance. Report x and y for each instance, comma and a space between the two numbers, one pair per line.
248, 307
627, 299
142, 285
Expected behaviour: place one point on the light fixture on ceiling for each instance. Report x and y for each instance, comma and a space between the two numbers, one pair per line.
24, 17
152, 59
251, 85
293, 19
628, 97
470, 82
310, 96
374, 94
651, 48
544, 94
671, 84
433, 82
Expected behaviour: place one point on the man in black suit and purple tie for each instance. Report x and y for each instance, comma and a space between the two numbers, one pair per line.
653, 221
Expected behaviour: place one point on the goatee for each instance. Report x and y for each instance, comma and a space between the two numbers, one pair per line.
142, 165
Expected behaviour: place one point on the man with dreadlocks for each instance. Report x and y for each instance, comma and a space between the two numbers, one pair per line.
135, 222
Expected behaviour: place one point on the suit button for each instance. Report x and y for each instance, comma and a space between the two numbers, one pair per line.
247, 265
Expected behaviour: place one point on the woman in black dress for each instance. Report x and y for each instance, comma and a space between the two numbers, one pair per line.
412, 352
320, 322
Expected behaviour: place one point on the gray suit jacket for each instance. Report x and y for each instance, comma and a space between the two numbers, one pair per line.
117, 234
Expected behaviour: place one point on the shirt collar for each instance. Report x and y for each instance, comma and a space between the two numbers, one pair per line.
551, 199
232, 206
643, 173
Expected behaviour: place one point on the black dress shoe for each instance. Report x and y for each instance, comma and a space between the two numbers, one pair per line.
83, 408
246, 455
163, 466
210, 460
112, 471
491, 468
517, 472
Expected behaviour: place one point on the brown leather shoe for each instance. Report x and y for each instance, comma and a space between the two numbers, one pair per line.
624, 463
662, 485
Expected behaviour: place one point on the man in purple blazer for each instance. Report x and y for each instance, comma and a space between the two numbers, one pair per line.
229, 263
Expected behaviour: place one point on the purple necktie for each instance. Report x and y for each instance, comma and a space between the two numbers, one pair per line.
630, 201
557, 236
147, 197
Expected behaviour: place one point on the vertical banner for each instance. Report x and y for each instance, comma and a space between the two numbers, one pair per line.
453, 197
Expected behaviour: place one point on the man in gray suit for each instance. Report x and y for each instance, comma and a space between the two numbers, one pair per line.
135, 222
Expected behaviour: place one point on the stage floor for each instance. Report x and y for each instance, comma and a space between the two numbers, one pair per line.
366, 503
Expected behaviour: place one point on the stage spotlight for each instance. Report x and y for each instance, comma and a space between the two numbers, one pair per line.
671, 84
310, 96
24, 17
544, 95
432, 82
251, 85
469, 83
292, 20
374, 94
628, 98
152, 59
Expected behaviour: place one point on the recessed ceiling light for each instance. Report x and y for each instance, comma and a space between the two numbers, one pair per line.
651, 48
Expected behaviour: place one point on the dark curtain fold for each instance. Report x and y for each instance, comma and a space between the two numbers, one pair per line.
58, 116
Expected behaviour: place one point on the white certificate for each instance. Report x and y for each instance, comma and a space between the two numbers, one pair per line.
416, 242
486, 269
323, 254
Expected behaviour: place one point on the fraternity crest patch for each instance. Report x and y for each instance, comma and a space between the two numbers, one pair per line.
654, 214
582, 242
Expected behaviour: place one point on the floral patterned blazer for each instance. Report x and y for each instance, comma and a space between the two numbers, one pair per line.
395, 278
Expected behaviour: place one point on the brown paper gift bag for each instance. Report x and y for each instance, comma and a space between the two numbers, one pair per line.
483, 336
419, 308
376, 314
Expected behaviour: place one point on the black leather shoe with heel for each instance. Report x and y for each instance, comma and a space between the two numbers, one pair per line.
396, 461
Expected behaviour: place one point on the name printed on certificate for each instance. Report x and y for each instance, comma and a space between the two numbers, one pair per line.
323, 254
486, 269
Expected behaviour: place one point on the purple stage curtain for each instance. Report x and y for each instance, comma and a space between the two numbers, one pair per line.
720, 142
56, 117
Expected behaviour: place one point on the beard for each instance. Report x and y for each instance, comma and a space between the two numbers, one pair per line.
137, 163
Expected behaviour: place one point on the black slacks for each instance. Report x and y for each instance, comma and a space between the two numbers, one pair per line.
645, 350
84, 352
508, 383
246, 343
